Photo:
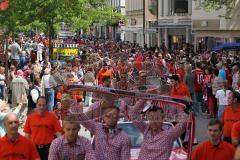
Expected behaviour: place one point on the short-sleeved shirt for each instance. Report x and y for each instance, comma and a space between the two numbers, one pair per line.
236, 130
181, 73
182, 90
42, 128
199, 80
206, 151
102, 73
222, 96
230, 116
222, 74
21, 149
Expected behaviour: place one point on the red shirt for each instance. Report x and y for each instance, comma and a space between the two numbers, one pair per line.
236, 130
229, 76
171, 67
101, 74
139, 60
206, 151
181, 73
198, 80
182, 90
42, 128
21, 149
229, 117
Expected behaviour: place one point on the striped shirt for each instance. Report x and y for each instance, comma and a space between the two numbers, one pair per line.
81, 150
160, 145
108, 146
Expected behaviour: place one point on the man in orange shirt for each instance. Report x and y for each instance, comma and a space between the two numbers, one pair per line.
179, 89
230, 115
41, 127
235, 135
13, 145
105, 71
214, 148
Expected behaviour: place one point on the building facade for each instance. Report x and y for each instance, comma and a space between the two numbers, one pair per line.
213, 28
134, 26
156, 21
174, 22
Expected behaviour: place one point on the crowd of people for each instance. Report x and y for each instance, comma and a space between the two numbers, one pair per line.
34, 98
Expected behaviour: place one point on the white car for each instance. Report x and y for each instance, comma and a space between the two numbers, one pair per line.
178, 151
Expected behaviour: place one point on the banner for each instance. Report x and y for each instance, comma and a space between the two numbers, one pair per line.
64, 53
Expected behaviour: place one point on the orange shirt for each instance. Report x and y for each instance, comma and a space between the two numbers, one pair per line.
229, 117
182, 90
236, 130
21, 149
42, 128
77, 95
206, 151
102, 73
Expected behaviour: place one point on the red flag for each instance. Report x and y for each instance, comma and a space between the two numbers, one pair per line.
4, 5
139, 61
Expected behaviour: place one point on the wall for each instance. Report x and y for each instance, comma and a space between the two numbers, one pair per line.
134, 5
212, 18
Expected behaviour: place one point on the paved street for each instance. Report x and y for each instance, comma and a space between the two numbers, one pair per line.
201, 130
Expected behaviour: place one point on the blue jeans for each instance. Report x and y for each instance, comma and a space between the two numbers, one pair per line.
1, 92
50, 95
194, 104
220, 111
199, 100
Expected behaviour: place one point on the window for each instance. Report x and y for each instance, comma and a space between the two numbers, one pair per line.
181, 6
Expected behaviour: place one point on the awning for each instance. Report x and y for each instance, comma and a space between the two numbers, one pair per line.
228, 46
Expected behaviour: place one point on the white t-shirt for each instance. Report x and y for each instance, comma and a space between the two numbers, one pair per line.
46, 81
222, 96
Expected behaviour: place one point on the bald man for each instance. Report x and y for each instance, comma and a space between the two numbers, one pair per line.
13, 145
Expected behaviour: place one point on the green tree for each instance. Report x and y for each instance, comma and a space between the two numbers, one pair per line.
211, 5
48, 14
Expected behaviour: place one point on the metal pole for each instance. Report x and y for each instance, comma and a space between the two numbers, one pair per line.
144, 22
6, 61
158, 30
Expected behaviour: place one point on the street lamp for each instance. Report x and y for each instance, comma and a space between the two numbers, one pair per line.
144, 22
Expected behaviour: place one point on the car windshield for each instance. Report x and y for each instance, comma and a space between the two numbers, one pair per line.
137, 136
133, 132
